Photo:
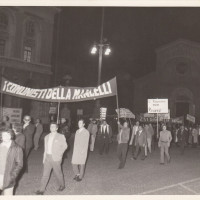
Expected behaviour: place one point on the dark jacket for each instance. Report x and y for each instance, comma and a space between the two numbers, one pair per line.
105, 135
14, 164
64, 130
182, 135
20, 140
29, 132
141, 138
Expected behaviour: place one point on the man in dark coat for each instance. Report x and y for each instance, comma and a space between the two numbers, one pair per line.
140, 142
182, 135
105, 134
28, 131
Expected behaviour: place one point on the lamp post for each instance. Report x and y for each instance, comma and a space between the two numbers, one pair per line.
101, 47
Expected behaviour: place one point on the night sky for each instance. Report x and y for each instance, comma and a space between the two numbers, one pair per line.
133, 34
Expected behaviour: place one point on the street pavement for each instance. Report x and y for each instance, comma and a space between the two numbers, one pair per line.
102, 176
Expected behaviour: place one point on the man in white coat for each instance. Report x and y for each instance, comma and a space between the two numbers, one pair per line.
54, 147
80, 151
133, 136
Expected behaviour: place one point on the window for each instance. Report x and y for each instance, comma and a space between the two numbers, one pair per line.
3, 20
30, 28
2, 47
27, 54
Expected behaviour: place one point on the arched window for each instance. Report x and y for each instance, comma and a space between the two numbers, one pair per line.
3, 20
30, 28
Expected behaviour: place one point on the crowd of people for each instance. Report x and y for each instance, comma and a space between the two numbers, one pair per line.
18, 140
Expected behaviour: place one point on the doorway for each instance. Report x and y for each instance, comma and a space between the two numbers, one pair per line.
182, 109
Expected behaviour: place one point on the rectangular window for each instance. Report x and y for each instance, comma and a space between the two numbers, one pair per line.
2, 47
27, 54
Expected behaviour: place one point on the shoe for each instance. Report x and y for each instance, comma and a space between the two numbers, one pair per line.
120, 167
39, 192
133, 158
78, 179
61, 188
75, 177
162, 163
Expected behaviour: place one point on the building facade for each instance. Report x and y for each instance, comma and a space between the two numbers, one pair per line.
176, 78
26, 38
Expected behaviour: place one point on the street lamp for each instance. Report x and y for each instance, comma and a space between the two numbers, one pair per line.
101, 47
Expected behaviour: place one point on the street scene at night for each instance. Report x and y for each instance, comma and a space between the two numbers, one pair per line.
99, 100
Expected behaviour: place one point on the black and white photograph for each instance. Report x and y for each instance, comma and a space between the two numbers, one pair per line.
99, 99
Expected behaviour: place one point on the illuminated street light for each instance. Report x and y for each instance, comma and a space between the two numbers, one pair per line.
94, 49
107, 51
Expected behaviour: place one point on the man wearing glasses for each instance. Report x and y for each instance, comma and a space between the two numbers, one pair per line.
28, 131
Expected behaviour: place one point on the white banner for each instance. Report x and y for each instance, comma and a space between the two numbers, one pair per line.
157, 105
190, 118
125, 113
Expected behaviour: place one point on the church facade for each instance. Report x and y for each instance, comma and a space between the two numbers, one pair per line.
177, 78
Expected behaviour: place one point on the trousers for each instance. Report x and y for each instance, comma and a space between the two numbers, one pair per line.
49, 164
164, 150
36, 140
139, 148
121, 153
104, 144
149, 144
92, 141
79, 170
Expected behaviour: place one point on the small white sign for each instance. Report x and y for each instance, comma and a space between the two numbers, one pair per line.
14, 114
191, 118
157, 105
103, 112
80, 112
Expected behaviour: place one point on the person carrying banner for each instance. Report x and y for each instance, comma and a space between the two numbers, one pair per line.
92, 128
105, 134
54, 147
164, 144
38, 133
11, 161
80, 150
122, 138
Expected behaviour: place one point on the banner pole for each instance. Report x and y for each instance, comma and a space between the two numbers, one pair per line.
58, 112
117, 102
157, 125
1, 94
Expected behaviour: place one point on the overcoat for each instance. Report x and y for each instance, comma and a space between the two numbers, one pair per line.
80, 151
